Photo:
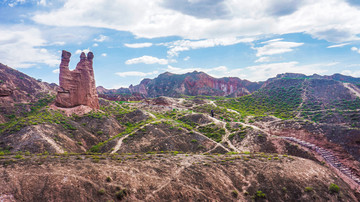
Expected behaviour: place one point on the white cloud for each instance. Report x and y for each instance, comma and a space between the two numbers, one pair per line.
136, 74
24, 47
186, 58
263, 59
147, 60
95, 45
42, 2
272, 40
138, 45
104, 54
220, 71
355, 73
184, 45
265, 71
117, 86
78, 51
338, 45
258, 72
58, 43
16, 2
355, 49
353, 65
277, 46
151, 19
101, 38
56, 71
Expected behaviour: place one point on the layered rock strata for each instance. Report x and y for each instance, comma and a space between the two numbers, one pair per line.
77, 87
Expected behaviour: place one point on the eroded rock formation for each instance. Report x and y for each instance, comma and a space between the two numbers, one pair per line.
77, 87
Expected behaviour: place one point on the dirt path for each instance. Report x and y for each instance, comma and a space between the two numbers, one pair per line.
352, 89
303, 98
328, 157
57, 148
244, 124
185, 163
226, 139
334, 109
213, 103
120, 141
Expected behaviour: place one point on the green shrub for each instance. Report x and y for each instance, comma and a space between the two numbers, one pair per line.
333, 188
101, 191
308, 189
234, 193
108, 179
121, 194
18, 156
260, 194
193, 141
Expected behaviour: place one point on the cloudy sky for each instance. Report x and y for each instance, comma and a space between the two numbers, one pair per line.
136, 39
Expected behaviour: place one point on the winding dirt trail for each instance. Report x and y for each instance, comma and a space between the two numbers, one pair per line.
120, 141
185, 163
225, 139
303, 98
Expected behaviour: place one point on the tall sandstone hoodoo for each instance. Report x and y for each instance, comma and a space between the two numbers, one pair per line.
77, 87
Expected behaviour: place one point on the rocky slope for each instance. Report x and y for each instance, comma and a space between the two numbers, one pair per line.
168, 177
19, 93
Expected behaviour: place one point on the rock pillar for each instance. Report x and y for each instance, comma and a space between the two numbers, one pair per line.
77, 87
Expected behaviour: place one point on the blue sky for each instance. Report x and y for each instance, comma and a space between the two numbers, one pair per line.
137, 39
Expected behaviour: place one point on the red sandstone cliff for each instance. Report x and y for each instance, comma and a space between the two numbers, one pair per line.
194, 83
77, 87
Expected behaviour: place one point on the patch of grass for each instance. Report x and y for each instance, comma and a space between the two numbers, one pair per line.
193, 141
277, 101
121, 194
212, 132
333, 188
259, 194
308, 189
96, 148
18, 156
234, 194
101, 191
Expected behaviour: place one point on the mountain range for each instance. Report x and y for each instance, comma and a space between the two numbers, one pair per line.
200, 83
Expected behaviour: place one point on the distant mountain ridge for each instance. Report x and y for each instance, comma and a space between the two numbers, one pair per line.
199, 83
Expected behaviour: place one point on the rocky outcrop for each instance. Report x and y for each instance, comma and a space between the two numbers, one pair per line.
195, 83
77, 87
4, 91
